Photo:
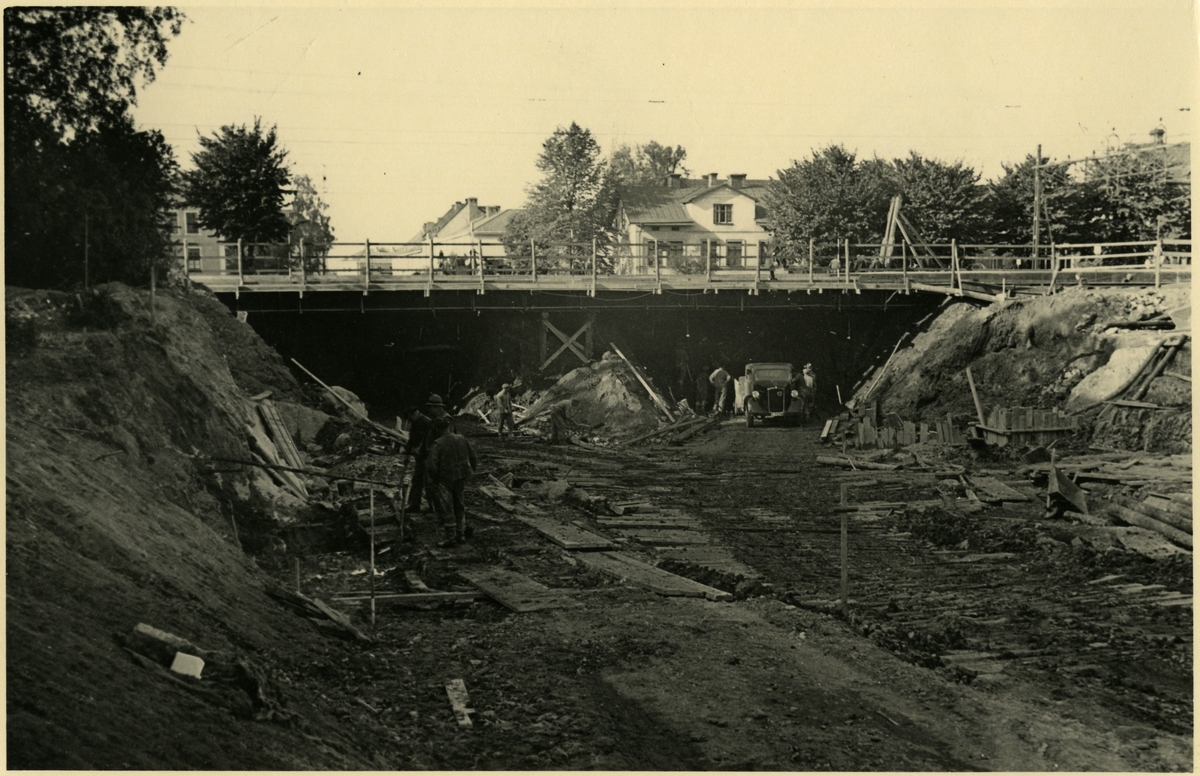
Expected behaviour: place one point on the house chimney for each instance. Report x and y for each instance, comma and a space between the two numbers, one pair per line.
493, 210
1159, 134
673, 180
737, 181
473, 201
712, 179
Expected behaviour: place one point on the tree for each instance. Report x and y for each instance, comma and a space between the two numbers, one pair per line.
239, 184
1009, 203
574, 203
309, 222
80, 180
1136, 197
944, 201
827, 198
646, 165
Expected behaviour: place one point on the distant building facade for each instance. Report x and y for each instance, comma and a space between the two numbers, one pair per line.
690, 224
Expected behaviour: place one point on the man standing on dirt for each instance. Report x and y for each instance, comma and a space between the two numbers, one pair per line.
806, 384
702, 386
720, 382
420, 437
451, 461
505, 408
560, 421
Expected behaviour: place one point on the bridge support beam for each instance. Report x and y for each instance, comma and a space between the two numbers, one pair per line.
582, 352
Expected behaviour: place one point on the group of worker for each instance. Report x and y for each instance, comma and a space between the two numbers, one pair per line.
443, 460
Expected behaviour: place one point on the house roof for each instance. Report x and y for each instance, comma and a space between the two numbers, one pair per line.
666, 205
496, 224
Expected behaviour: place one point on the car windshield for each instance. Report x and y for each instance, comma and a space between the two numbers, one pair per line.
772, 374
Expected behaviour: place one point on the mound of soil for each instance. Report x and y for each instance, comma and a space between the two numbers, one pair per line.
608, 398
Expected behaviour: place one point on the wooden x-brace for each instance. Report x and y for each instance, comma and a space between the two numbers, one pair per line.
568, 342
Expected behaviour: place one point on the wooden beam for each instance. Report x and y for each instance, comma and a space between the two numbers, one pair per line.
657, 399
568, 342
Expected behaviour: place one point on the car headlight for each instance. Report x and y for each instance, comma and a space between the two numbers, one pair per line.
755, 394
795, 394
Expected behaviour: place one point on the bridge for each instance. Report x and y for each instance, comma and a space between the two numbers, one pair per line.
987, 273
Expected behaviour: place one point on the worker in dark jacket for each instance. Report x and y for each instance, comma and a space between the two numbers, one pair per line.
420, 437
560, 421
451, 461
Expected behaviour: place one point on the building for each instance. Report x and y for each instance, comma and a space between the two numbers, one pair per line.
461, 226
686, 224
199, 249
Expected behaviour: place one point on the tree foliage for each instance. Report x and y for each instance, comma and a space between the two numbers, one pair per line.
239, 184
308, 220
944, 201
80, 180
1136, 197
647, 165
827, 198
574, 203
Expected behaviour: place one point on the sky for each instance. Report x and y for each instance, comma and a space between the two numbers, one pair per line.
397, 112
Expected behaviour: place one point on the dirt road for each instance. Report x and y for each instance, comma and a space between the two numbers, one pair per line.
994, 641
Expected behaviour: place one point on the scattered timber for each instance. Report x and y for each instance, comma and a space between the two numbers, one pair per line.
850, 463
380, 427
1162, 515
310, 472
694, 430
456, 691
658, 400
315, 608
1134, 517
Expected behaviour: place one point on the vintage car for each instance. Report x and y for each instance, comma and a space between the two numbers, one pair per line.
769, 393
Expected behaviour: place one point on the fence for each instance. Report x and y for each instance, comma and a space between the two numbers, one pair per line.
372, 261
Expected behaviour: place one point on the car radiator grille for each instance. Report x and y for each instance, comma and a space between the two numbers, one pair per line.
775, 400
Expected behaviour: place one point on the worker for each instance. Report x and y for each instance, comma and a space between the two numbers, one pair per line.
504, 407
807, 386
451, 462
702, 389
720, 382
435, 407
835, 266
560, 421
420, 437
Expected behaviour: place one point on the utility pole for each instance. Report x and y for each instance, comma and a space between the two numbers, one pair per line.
1037, 201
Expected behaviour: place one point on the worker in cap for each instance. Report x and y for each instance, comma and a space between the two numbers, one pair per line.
420, 437
504, 408
451, 462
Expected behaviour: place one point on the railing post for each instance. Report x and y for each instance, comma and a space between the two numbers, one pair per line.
593, 266
757, 267
239, 261
303, 267
533, 258
431, 260
957, 270
188, 270
707, 259
479, 255
811, 258
657, 267
367, 274
1158, 260
904, 265
847, 279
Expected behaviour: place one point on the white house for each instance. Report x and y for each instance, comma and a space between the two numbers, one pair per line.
686, 223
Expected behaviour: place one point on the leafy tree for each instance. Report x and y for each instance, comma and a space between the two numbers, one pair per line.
646, 165
944, 201
309, 221
239, 184
1135, 197
79, 178
574, 203
827, 198
1009, 203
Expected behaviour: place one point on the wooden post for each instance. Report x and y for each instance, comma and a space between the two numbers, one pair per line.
153, 283
372, 555
297, 575
542, 340
533, 260
303, 267
975, 396
657, 265
479, 255
810, 261
1037, 202
757, 268
186, 269
239, 261
845, 558
847, 259
904, 263
1158, 260
431, 260
367, 274
593, 266
957, 270
707, 260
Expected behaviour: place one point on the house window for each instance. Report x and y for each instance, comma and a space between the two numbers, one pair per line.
723, 214
674, 228
193, 258
668, 249
733, 253
193, 226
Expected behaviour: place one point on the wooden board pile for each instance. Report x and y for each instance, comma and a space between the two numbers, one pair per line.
863, 432
1026, 426
1168, 514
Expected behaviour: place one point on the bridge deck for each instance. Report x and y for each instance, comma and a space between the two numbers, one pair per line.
990, 285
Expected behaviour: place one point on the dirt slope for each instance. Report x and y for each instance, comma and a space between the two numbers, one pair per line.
110, 525
1034, 352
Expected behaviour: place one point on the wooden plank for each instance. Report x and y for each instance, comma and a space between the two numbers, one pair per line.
415, 583
1151, 510
340, 619
517, 592
279, 434
997, 489
566, 536
654, 396
651, 578
666, 536
413, 599
1134, 517
1058, 483
456, 691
